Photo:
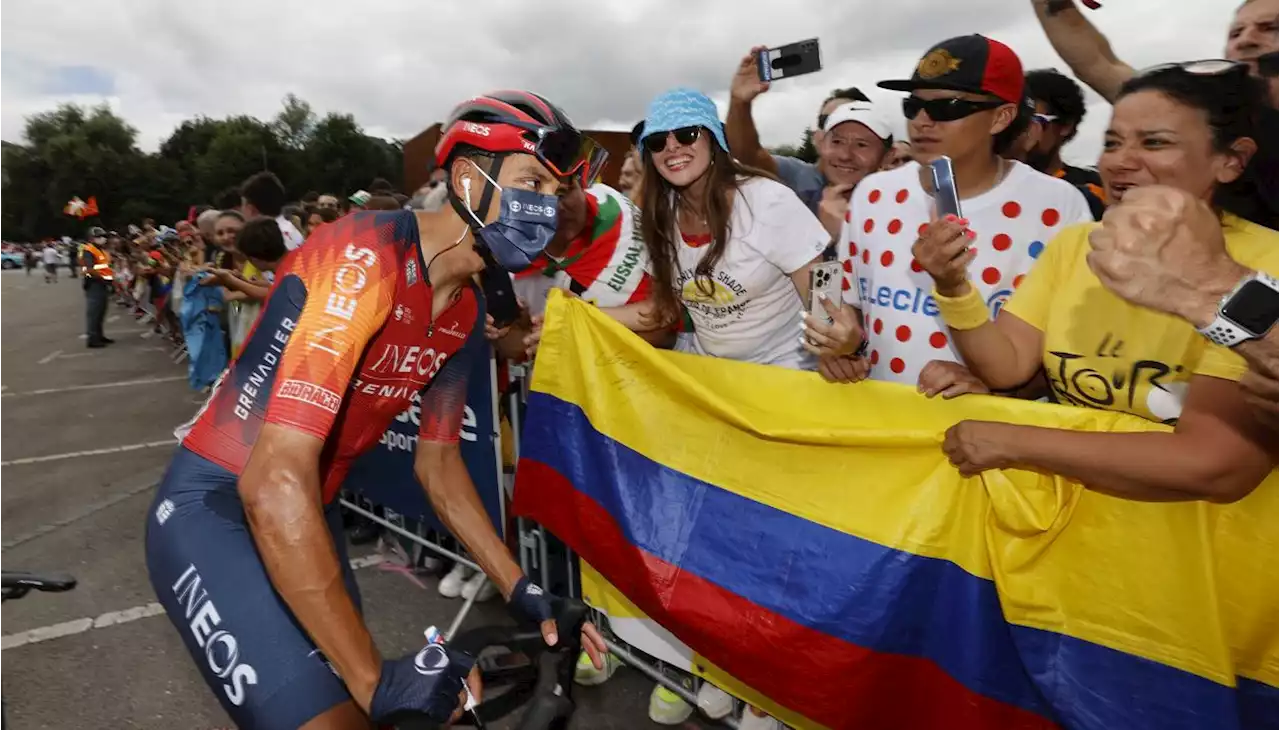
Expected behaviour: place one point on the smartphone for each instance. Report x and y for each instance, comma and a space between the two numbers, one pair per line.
794, 59
499, 293
945, 200
826, 278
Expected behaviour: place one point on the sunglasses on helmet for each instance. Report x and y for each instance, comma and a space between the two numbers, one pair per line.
566, 152
947, 110
685, 136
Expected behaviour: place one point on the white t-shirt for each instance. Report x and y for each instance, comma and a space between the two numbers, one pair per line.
292, 236
50, 255
753, 312
1013, 222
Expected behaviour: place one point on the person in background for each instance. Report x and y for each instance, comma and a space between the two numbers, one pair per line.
263, 194
206, 225
964, 99
1252, 33
260, 245
318, 217
327, 200
630, 176
98, 283
843, 160
1058, 112
898, 155
295, 214
50, 257
1032, 128
28, 259
1169, 127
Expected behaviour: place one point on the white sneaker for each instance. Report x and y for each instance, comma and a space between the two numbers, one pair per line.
667, 707
451, 584
714, 702
479, 587
586, 674
752, 721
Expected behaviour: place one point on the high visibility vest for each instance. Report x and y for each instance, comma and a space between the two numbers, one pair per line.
101, 264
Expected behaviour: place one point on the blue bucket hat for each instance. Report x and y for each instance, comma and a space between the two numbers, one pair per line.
679, 108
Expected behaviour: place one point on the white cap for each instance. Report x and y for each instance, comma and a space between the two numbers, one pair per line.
862, 112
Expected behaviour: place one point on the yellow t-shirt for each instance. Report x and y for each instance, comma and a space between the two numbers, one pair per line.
1102, 352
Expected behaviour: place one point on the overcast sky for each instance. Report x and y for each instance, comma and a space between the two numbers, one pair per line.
399, 65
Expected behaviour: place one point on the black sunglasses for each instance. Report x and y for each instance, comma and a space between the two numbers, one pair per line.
684, 135
946, 110
1206, 67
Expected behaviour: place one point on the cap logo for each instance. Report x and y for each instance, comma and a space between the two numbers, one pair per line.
938, 62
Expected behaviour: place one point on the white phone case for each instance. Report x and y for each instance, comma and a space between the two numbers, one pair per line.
826, 277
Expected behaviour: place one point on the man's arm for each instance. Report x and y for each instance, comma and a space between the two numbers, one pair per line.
1082, 47
280, 489
440, 469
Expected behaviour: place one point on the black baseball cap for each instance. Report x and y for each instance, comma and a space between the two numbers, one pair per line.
636, 131
972, 63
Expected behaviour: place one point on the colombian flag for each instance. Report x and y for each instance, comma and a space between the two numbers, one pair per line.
812, 541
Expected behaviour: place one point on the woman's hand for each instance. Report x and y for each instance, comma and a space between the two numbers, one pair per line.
943, 251
843, 369
976, 446
532, 339
949, 379
493, 333
842, 337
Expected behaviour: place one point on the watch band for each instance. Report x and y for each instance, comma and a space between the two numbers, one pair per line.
1225, 332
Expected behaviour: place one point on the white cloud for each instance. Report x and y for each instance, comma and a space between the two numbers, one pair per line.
399, 65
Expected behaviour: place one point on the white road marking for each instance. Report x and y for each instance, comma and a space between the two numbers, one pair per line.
50, 357
94, 386
113, 318
115, 618
90, 452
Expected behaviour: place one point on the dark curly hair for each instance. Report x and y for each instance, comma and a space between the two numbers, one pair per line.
1060, 93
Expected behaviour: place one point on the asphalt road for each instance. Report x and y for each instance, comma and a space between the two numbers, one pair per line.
101, 657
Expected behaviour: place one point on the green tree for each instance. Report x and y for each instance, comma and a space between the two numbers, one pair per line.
341, 158
294, 124
807, 151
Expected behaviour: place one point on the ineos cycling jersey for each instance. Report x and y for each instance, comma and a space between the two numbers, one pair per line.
346, 338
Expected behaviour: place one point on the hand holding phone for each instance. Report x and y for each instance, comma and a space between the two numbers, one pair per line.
825, 279
789, 61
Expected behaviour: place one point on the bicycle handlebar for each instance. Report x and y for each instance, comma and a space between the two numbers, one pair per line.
545, 684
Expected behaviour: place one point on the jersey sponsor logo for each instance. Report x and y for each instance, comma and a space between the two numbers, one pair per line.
349, 280
453, 331
221, 650
260, 374
431, 660
996, 301
480, 130
403, 314
164, 511
411, 272
914, 300
629, 261
310, 393
408, 360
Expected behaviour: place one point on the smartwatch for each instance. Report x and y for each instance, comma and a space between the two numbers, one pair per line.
1247, 312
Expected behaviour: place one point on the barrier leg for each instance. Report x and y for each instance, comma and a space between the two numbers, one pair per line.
643, 667
418, 539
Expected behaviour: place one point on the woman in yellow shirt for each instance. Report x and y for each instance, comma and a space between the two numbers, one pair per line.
1189, 126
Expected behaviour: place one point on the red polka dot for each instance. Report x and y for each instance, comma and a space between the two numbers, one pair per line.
844, 284
920, 230
866, 256
902, 196
897, 365
895, 225
848, 264
874, 196
853, 249
875, 356
886, 258
879, 326
848, 216
1017, 280
916, 267
1050, 217
903, 333
1001, 242
868, 225
991, 275
938, 340
1011, 209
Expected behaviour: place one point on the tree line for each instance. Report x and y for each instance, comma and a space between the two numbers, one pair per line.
77, 151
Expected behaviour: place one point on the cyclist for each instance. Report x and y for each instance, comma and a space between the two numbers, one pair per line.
244, 544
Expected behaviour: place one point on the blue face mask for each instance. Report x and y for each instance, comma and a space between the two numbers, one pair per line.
525, 225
